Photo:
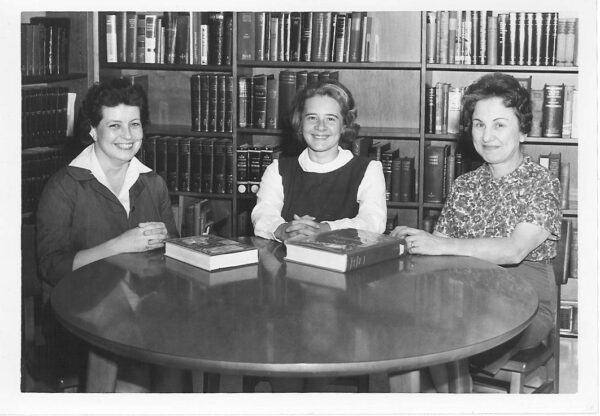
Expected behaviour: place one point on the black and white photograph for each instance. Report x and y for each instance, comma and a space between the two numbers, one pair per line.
285, 208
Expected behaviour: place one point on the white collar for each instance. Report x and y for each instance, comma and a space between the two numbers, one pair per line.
343, 157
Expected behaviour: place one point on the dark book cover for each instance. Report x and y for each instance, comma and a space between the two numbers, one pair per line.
433, 180
547, 42
503, 39
228, 39
149, 152
259, 104
212, 102
552, 110
287, 92
185, 164
195, 103
131, 51
173, 163
221, 103
301, 80
396, 178
228, 166
360, 146
475, 39
204, 102
170, 36
356, 37
122, 37
344, 250
377, 149
254, 159
430, 101
295, 36
216, 28
182, 45
140, 44
386, 162
306, 38
196, 164
245, 36
341, 30
407, 179
219, 161
512, 38
54, 32
242, 165
228, 103
267, 154
208, 147
272, 103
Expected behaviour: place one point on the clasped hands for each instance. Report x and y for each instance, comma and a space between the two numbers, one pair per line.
299, 226
145, 237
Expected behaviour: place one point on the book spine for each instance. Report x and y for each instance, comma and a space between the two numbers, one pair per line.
111, 38
321, 37
365, 37
512, 38
246, 36
295, 36
204, 38
521, 38
474, 36
553, 39
141, 39
468, 39
452, 21
259, 35
503, 39
121, 36
483, 32
185, 168
274, 37
195, 101
208, 147
182, 39
568, 112
529, 38
131, 54
228, 40
287, 91
386, 162
212, 102
259, 106
221, 92
254, 157
204, 102
537, 39
306, 39
360, 146
242, 168
430, 110
570, 41
575, 115
561, 38
372, 255
407, 179
537, 105
433, 174
150, 39
355, 38
196, 165
272, 103
552, 110
219, 163
243, 101
229, 103
565, 176
228, 166
340, 36
216, 38
431, 37
454, 109
396, 178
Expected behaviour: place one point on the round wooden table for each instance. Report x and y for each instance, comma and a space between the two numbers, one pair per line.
283, 319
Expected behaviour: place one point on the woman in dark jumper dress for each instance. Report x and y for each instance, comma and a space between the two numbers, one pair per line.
326, 187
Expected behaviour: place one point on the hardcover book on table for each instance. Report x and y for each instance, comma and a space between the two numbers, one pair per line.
343, 250
211, 252
212, 278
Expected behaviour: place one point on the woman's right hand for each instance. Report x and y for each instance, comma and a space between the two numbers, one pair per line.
305, 225
145, 237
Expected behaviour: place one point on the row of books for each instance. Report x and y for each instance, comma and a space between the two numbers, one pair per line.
212, 102
45, 46
193, 38
191, 164
252, 160
195, 218
265, 101
476, 37
304, 36
44, 115
38, 164
559, 170
554, 110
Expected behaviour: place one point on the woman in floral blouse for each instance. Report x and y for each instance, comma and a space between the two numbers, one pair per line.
508, 210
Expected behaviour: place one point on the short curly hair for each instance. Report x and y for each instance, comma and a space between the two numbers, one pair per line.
111, 93
501, 85
341, 94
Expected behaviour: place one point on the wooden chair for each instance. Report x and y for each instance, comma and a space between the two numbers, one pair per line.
535, 370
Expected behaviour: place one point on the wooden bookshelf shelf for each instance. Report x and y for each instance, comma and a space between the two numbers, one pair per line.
528, 140
180, 130
502, 68
332, 65
377, 132
49, 79
201, 195
397, 205
167, 67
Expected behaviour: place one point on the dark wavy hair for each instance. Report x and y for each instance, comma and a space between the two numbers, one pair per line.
500, 85
111, 93
341, 94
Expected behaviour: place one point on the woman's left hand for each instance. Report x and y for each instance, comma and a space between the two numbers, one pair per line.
419, 241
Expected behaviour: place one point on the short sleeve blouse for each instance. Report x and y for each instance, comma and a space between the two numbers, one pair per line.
481, 206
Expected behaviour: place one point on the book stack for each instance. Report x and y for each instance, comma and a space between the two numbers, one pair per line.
252, 160
212, 102
554, 112
44, 115
45, 47
265, 101
38, 165
191, 164
186, 38
304, 36
475, 37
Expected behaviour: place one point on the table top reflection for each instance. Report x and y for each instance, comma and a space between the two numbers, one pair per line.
289, 319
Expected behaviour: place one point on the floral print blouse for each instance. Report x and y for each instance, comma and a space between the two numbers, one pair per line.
481, 206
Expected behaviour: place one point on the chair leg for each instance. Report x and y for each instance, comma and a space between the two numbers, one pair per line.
101, 373
409, 382
516, 383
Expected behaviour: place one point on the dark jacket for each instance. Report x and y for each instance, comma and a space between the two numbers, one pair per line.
77, 212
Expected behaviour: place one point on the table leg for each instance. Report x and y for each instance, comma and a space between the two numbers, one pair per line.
101, 373
408, 382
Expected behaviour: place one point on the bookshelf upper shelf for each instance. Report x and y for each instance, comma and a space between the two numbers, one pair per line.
332, 65
528, 140
167, 67
180, 130
48, 79
380, 132
503, 68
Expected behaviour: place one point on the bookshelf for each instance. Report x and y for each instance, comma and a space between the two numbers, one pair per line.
47, 144
389, 91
